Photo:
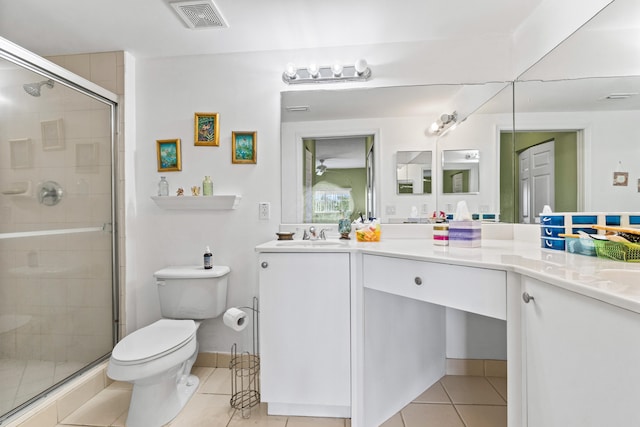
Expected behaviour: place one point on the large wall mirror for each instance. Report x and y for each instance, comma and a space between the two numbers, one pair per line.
584, 96
396, 120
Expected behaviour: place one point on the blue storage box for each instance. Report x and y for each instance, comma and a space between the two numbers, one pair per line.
584, 219
551, 219
552, 243
551, 231
612, 220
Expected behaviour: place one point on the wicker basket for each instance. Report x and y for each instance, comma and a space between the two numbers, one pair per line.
629, 252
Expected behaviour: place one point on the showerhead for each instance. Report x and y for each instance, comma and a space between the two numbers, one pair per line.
33, 89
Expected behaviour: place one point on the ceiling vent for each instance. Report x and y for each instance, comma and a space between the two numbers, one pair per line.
199, 14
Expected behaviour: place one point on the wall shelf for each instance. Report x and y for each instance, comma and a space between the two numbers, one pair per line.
216, 202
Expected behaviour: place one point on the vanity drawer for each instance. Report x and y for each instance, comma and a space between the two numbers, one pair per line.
476, 290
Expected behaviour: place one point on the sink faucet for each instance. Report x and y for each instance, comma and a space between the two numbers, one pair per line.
312, 235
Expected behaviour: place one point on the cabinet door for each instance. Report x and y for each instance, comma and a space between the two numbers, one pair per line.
582, 364
305, 333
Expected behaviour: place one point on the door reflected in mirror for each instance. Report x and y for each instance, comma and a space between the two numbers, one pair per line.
460, 171
413, 172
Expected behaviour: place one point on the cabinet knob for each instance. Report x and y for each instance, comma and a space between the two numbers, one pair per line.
526, 297
264, 264
418, 280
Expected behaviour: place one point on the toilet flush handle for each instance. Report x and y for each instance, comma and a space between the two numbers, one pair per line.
160, 282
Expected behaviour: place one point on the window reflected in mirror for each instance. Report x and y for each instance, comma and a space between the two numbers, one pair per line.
414, 172
335, 177
460, 171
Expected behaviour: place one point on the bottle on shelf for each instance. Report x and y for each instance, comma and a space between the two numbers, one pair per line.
207, 186
163, 187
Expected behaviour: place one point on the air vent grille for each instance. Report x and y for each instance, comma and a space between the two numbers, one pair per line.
199, 14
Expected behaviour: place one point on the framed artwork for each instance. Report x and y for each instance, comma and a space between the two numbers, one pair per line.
52, 135
21, 153
243, 147
169, 156
620, 179
206, 130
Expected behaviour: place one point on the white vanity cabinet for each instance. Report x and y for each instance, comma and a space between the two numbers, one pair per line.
581, 360
476, 290
305, 333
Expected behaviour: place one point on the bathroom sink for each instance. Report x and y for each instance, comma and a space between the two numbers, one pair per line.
619, 275
310, 243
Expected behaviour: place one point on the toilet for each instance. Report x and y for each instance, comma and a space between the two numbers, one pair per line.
158, 358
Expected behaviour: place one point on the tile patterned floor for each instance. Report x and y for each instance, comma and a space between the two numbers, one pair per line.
454, 401
23, 379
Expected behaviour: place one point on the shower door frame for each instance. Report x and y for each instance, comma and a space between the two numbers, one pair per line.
32, 62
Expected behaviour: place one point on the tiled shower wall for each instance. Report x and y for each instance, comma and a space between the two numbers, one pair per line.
55, 291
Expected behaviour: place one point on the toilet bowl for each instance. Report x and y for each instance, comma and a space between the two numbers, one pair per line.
158, 358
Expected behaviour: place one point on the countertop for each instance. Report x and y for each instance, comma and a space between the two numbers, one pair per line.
614, 282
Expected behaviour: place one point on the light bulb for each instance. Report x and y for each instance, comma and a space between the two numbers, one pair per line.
313, 69
291, 70
434, 127
336, 69
361, 66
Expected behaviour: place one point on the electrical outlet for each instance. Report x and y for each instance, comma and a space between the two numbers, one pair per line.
390, 210
264, 210
424, 209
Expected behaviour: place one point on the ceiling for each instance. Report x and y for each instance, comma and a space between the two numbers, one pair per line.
151, 28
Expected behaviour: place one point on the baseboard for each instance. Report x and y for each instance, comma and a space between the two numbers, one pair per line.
477, 367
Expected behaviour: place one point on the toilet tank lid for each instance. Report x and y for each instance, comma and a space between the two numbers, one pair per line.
191, 272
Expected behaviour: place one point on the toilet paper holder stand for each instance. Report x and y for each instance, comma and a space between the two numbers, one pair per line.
245, 370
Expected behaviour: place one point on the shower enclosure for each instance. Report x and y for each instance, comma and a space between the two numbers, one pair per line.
58, 288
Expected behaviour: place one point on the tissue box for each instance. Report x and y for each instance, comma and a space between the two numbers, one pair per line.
465, 234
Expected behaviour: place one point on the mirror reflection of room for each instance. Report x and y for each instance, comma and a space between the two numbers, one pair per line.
335, 178
414, 172
461, 171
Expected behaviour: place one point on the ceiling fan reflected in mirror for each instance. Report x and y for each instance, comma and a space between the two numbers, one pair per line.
321, 169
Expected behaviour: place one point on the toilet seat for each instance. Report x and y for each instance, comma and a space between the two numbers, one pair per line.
154, 341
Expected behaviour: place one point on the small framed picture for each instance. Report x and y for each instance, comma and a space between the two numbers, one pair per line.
621, 179
206, 129
169, 156
52, 135
243, 147
21, 153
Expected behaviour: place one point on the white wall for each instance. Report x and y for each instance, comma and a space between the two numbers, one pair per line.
245, 90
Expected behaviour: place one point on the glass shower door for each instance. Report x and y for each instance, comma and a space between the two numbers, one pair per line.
56, 240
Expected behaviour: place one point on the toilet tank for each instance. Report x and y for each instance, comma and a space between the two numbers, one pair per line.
192, 292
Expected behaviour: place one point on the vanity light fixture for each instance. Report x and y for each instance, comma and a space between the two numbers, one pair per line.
337, 72
445, 123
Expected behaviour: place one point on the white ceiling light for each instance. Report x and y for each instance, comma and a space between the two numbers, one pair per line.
327, 74
445, 123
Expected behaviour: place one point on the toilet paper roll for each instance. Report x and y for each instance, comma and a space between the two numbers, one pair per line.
235, 318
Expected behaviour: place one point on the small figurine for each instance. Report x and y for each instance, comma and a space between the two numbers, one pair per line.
180, 192
195, 191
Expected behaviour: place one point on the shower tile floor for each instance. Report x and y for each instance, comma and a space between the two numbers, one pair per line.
454, 401
23, 379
